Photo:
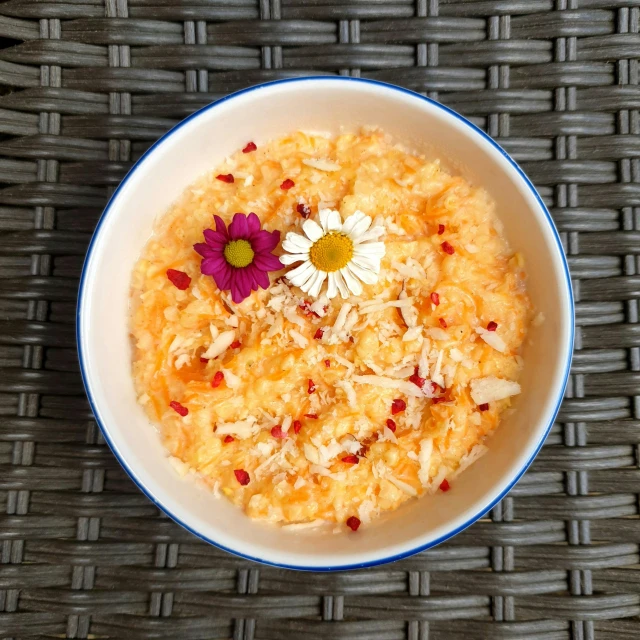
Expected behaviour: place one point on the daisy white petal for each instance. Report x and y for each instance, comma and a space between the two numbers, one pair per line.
352, 220
314, 289
312, 230
373, 234
334, 221
332, 287
365, 262
323, 214
371, 249
290, 258
305, 286
360, 228
353, 284
366, 275
342, 287
295, 243
301, 273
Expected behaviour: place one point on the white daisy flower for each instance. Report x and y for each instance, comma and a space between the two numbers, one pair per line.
342, 254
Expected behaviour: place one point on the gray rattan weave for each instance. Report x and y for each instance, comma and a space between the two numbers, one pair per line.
88, 86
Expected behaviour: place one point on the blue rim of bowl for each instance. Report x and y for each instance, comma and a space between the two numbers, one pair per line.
420, 548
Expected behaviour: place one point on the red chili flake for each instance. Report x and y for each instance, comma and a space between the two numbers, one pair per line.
483, 407
444, 485
277, 432
303, 210
228, 439
398, 406
391, 425
492, 326
318, 334
351, 459
438, 399
225, 177
351, 339
297, 425
435, 298
311, 416
311, 388
353, 523
251, 146
447, 248
236, 344
242, 476
178, 279
327, 363
416, 379
440, 229
178, 408
217, 379
287, 184
443, 323
205, 360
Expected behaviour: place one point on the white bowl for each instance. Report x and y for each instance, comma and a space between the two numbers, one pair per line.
198, 144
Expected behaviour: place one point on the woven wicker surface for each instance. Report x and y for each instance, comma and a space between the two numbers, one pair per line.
88, 86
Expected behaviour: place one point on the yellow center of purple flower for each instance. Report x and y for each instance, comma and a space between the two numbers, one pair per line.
238, 253
331, 252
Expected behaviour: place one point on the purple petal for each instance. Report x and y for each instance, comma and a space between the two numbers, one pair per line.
213, 265
253, 224
267, 262
244, 278
259, 277
238, 229
265, 241
221, 227
223, 277
240, 285
204, 249
252, 270
236, 296
215, 239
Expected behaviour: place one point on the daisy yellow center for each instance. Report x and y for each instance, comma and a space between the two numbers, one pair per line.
238, 253
331, 252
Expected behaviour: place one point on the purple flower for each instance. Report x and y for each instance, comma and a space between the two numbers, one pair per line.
239, 257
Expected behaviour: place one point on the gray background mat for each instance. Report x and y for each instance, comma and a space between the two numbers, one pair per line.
87, 86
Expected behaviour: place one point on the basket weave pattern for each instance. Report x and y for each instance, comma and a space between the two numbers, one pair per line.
85, 87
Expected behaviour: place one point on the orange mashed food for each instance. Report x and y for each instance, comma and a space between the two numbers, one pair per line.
375, 362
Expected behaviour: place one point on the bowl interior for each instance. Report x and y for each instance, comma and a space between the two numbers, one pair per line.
197, 145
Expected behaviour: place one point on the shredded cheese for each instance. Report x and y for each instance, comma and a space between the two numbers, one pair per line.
424, 458
408, 388
491, 389
403, 486
298, 338
492, 339
322, 165
220, 344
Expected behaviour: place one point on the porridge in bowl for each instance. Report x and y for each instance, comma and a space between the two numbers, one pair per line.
325, 328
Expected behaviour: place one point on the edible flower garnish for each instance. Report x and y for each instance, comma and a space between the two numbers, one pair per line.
239, 257
344, 254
